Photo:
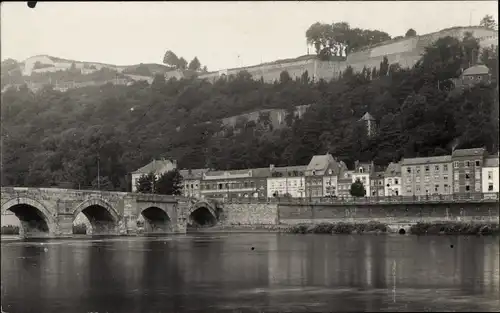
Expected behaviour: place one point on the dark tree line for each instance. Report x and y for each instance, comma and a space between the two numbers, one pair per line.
51, 138
169, 183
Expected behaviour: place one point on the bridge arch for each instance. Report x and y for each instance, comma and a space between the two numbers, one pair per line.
102, 217
156, 220
34, 217
203, 213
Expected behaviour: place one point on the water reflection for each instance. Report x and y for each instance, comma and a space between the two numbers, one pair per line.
281, 272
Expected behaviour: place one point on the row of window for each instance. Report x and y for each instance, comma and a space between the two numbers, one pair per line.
437, 167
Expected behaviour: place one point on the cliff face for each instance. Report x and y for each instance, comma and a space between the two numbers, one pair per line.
406, 52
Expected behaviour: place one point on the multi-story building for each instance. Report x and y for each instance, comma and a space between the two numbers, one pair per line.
427, 176
467, 169
318, 167
286, 181
392, 180
191, 181
363, 171
248, 183
377, 184
344, 183
156, 167
490, 175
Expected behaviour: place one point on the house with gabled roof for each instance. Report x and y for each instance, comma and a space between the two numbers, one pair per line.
156, 167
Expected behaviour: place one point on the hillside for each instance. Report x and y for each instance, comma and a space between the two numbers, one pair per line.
63, 73
52, 138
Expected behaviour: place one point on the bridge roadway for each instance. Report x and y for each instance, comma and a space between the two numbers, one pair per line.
50, 212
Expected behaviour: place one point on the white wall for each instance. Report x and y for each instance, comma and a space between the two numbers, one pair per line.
296, 186
493, 180
393, 187
330, 181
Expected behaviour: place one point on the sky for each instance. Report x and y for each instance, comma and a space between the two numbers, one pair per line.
221, 34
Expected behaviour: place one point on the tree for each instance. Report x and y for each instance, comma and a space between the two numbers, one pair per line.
171, 59
104, 183
182, 64
146, 183
384, 67
488, 22
194, 65
410, 33
285, 77
326, 38
169, 183
357, 189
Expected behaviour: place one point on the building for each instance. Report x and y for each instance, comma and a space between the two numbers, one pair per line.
427, 176
363, 171
467, 169
475, 74
344, 183
248, 183
377, 184
156, 167
369, 122
392, 180
287, 180
319, 166
490, 177
191, 181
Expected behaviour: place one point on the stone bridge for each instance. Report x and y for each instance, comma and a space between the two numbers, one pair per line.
50, 212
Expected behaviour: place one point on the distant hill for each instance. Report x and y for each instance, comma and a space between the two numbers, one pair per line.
62, 73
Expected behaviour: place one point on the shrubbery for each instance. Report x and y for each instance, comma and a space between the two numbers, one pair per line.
454, 228
10, 230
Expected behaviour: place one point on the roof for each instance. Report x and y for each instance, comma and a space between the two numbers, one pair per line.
193, 173
476, 70
468, 152
153, 166
393, 169
435, 159
367, 117
491, 162
261, 172
378, 175
284, 169
319, 162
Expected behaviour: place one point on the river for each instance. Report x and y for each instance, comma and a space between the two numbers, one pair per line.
251, 273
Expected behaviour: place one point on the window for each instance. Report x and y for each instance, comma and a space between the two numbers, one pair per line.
436, 168
389, 181
446, 188
455, 164
467, 175
396, 181
467, 164
408, 180
455, 176
490, 174
455, 188
436, 188
467, 188
478, 174
408, 169
478, 187
445, 177
427, 168
478, 163
445, 167
418, 170
427, 179
436, 177
408, 189
418, 188
490, 187
361, 170
417, 179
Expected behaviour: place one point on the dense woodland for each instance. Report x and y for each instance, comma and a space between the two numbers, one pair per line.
51, 138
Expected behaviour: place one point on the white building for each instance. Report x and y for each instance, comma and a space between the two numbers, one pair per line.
490, 174
330, 185
286, 180
191, 182
392, 180
362, 172
156, 167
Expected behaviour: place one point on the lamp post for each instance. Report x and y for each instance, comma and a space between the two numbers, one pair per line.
98, 172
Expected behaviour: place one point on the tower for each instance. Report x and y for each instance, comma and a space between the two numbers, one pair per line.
369, 122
